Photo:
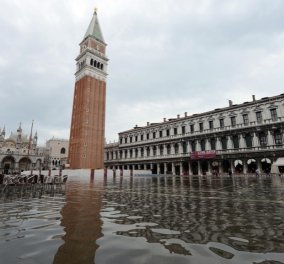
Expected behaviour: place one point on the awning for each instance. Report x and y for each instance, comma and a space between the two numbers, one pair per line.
250, 161
238, 162
266, 160
279, 162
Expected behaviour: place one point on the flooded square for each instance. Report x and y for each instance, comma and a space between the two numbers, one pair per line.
146, 219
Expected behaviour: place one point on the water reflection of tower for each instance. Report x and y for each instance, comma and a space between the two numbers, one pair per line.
82, 224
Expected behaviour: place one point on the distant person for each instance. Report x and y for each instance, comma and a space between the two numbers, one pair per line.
230, 173
257, 172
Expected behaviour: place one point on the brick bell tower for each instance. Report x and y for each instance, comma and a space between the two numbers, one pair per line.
87, 133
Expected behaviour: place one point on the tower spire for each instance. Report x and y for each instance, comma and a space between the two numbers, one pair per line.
94, 29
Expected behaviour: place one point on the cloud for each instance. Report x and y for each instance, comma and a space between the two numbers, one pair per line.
166, 57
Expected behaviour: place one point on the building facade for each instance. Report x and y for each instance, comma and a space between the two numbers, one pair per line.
57, 153
241, 138
19, 152
87, 134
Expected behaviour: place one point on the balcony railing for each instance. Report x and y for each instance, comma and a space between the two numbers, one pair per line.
205, 131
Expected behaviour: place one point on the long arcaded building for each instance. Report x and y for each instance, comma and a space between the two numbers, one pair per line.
240, 137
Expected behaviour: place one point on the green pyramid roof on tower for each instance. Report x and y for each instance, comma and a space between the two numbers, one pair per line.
94, 29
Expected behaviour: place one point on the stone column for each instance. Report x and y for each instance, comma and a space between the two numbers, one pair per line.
207, 144
245, 166
165, 168
189, 169
173, 168
258, 164
255, 141
230, 143
199, 167
242, 141
221, 170
158, 150
158, 168
218, 144
270, 141
232, 167
189, 147
198, 147
172, 149
180, 150
209, 167
151, 151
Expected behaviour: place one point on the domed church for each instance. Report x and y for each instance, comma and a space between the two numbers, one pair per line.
19, 152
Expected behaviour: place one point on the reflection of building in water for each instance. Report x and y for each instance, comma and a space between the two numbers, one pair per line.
82, 224
19, 152
240, 137
203, 210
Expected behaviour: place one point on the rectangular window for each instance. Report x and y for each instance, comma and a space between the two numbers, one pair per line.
168, 132
211, 126
175, 131
273, 113
130, 139
183, 130
200, 127
120, 140
258, 117
245, 119
233, 121
221, 123
191, 128
141, 137
147, 136
154, 134
160, 134
136, 138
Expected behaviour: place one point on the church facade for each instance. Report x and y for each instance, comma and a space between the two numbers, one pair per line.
241, 138
19, 152
86, 149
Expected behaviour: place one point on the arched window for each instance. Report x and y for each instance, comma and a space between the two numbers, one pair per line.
176, 148
154, 150
62, 151
92, 61
248, 140
95, 63
202, 144
168, 149
262, 139
278, 137
98, 65
102, 66
161, 150
236, 144
224, 142
213, 143
184, 147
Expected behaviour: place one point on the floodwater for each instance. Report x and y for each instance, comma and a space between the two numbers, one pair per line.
146, 219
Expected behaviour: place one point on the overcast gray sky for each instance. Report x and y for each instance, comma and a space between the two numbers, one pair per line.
167, 57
